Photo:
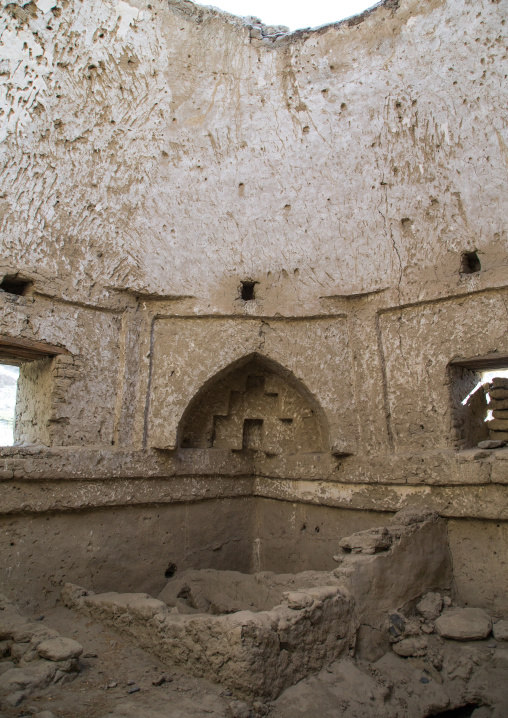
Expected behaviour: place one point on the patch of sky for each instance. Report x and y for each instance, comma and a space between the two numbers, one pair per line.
487, 377
8, 385
295, 15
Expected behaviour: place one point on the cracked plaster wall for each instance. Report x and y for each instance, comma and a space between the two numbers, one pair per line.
156, 154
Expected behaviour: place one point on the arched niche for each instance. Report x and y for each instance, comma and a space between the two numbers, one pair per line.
254, 404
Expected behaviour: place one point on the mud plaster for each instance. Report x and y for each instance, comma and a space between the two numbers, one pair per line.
155, 158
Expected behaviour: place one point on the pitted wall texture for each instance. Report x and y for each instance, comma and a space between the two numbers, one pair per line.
155, 155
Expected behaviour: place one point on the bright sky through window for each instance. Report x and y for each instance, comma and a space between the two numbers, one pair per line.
8, 384
295, 15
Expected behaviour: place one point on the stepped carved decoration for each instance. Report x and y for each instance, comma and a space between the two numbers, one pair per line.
255, 406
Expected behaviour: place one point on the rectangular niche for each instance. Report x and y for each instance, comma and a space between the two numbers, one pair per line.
469, 380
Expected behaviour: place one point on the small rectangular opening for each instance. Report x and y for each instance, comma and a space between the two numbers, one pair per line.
247, 292
470, 263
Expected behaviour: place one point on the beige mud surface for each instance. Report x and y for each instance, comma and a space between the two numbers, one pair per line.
111, 658
390, 688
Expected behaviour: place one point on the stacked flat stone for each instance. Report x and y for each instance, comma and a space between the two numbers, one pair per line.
498, 392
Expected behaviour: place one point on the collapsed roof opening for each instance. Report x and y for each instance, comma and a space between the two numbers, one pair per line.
295, 15
8, 389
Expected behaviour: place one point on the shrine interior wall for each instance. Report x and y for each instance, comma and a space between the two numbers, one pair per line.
317, 218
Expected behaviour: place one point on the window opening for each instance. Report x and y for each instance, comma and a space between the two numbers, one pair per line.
13, 284
8, 388
470, 263
480, 403
247, 292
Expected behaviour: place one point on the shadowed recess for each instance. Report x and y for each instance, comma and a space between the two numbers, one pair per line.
255, 405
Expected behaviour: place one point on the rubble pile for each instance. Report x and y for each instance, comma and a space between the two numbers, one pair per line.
430, 630
32, 656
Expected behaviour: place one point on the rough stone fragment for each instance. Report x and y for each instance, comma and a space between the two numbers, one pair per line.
32, 632
159, 680
297, 600
14, 699
414, 646
18, 650
398, 621
30, 655
499, 436
370, 541
37, 675
6, 666
491, 444
498, 425
60, 649
482, 454
498, 393
430, 606
239, 709
428, 628
9, 620
499, 382
500, 630
68, 666
413, 515
146, 606
500, 413
498, 404
464, 624
221, 604
71, 593
261, 708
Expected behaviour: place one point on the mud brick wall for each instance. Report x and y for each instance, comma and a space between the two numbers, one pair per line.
155, 156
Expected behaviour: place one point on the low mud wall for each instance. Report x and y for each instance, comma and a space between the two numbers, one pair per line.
133, 548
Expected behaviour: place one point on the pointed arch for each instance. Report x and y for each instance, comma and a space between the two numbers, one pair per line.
254, 404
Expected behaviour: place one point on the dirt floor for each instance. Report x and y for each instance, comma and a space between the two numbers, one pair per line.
117, 681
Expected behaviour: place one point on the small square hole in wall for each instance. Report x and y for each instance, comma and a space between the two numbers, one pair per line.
15, 285
247, 292
470, 263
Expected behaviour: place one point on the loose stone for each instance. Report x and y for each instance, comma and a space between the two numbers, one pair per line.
60, 649
500, 630
464, 624
430, 606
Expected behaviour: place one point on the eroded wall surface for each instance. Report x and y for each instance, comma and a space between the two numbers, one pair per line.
154, 156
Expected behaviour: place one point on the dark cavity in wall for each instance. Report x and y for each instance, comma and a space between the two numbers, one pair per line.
170, 571
464, 711
247, 291
15, 285
470, 263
